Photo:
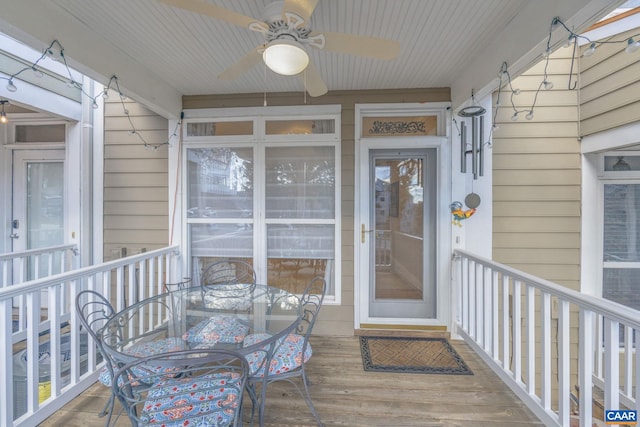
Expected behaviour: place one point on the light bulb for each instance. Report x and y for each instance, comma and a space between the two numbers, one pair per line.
94, 105
495, 126
514, 118
632, 46
3, 118
11, 87
546, 53
105, 94
132, 132
569, 40
547, 85
39, 74
516, 91
126, 112
123, 96
71, 84
590, 50
529, 116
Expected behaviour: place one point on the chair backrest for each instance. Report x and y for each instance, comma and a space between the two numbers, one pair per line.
228, 272
311, 301
190, 387
94, 310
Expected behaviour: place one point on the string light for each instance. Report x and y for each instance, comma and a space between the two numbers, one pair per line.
55, 51
505, 77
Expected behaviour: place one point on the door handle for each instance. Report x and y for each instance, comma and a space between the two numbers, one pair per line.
363, 231
14, 235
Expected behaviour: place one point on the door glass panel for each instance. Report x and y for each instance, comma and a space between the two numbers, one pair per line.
45, 212
399, 229
45, 216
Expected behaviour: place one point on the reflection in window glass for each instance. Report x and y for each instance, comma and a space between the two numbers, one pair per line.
212, 241
220, 183
300, 182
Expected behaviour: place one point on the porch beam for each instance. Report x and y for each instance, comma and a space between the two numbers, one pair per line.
38, 22
521, 43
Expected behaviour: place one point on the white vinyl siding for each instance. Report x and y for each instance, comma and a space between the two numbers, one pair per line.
135, 179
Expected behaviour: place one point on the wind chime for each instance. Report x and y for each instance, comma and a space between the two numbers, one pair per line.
476, 150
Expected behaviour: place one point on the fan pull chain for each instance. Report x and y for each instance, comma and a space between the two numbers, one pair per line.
305, 86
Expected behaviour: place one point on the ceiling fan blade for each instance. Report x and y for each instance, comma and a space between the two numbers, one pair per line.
302, 8
244, 64
313, 81
208, 9
352, 44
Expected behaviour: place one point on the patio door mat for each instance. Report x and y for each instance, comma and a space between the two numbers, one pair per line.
411, 355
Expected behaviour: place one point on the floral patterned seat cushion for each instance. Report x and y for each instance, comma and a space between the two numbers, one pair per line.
143, 349
222, 329
209, 400
288, 354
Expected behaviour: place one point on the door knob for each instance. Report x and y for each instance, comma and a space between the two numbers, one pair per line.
14, 235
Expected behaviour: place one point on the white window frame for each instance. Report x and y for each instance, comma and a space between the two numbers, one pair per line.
259, 116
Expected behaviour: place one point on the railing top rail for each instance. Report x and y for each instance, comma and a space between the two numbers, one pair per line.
612, 310
43, 283
31, 252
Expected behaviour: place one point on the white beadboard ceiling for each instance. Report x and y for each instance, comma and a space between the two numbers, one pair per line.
160, 53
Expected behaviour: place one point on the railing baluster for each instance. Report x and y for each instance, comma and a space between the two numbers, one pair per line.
517, 332
506, 312
494, 312
487, 308
479, 300
611, 361
546, 351
628, 361
585, 366
564, 386
472, 299
531, 339
465, 294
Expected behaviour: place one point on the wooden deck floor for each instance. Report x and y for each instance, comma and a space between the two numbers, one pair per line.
346, 395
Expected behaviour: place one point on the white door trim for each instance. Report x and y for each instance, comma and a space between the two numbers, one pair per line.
443, 246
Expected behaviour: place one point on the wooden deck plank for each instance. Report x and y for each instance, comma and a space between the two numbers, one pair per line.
346, 395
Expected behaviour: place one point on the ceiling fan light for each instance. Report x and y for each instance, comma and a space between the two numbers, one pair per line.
286, 57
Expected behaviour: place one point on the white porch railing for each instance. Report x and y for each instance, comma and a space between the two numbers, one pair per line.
51, 361
15, 266
543, 339
19, 267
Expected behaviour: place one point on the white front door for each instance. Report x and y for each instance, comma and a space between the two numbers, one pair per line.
397, 234
37, 200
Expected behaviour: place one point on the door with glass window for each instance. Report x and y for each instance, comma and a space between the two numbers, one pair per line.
398, 233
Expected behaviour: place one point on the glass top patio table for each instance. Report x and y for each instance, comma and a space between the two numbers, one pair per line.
192, 318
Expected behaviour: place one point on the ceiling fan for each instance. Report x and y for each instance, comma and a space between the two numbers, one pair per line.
286, 34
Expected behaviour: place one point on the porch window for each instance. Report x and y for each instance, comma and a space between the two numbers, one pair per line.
621, 243
268, 201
